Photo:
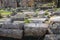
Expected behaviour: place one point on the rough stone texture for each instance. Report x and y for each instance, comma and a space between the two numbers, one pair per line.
35, 30
2, 21
57, 13
52, 37
13, 26
14, 33
5, 20
55, 28
1, 25
55, 19
51, 10
18, 17
29, 14
38, 20
19, 23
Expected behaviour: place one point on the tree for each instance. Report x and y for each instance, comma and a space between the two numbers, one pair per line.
18, 1
58, 3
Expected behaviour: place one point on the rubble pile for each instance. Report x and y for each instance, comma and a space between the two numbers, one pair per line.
54, 27
30, 23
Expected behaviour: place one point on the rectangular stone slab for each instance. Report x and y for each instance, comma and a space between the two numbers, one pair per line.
55, 19
31, 30
52, 37
37, 20
14, 33
14, 25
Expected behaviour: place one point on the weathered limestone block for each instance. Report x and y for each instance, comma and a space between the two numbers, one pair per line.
55, 28
35, 29
55, 19
14, 33
18, 17
52, 37
37, 20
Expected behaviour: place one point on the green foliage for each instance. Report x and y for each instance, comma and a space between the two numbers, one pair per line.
3, 12
26, 21
48, 4
46, 12
56, 9
0, 15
